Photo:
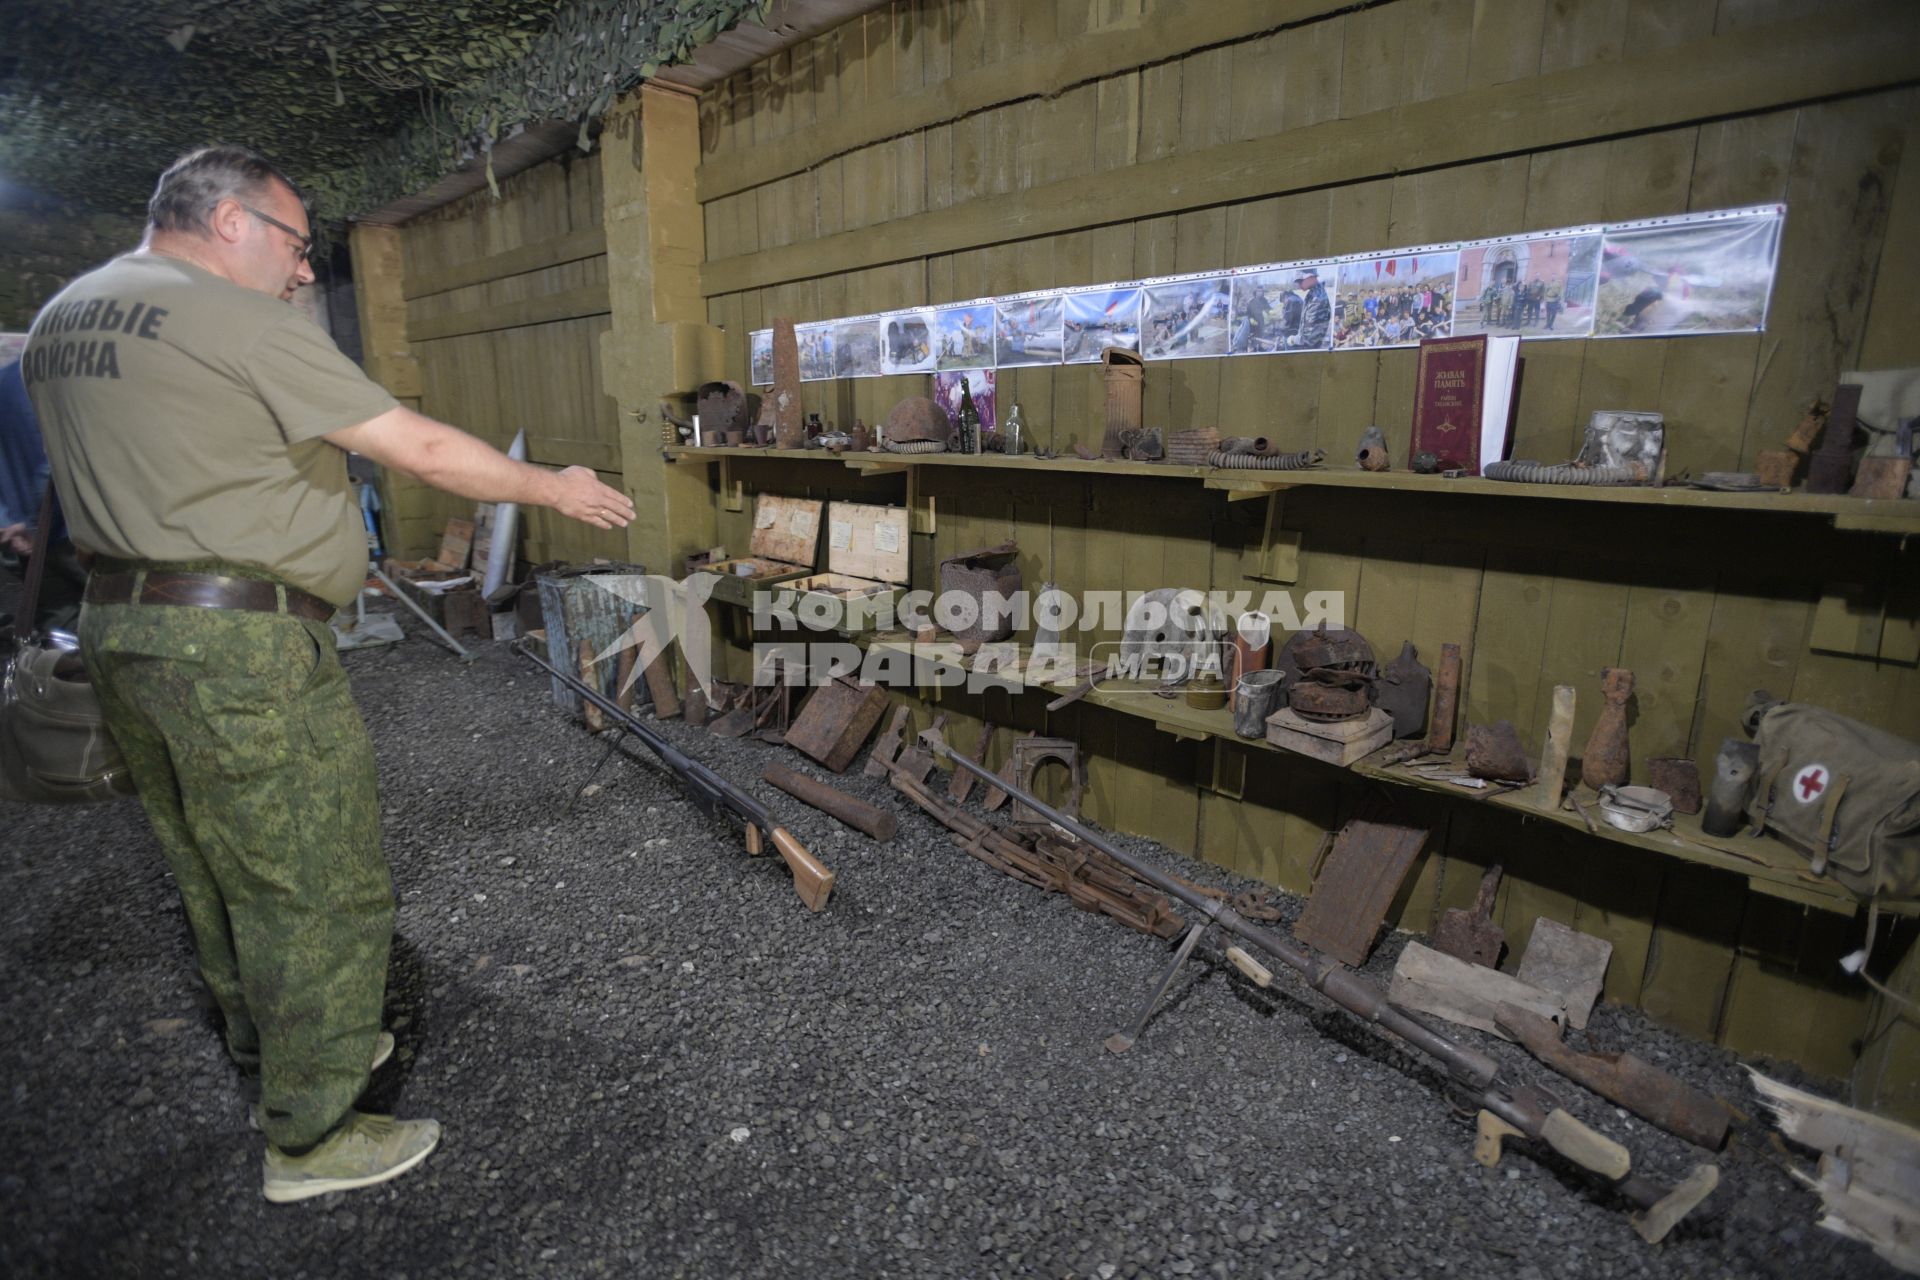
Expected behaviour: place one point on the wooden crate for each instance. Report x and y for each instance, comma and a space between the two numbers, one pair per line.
867, 567
784, 545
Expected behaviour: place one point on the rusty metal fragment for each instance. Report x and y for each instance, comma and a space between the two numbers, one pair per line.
1494, 752
1091, 880
990, 578
887, 746
1472, 935
836, 720
961, 785
1679, 777
1640, 1087
1029, 754
789, 421
917, 760
1351, 896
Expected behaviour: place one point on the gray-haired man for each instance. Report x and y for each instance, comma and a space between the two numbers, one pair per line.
198, 430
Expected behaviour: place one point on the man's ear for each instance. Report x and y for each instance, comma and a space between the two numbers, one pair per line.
228, 220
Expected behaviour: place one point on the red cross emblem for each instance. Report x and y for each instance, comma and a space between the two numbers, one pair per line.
1809, 783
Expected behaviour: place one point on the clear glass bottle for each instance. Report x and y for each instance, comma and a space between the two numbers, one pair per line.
1013, 434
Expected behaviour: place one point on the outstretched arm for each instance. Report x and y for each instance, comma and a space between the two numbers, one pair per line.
468, 467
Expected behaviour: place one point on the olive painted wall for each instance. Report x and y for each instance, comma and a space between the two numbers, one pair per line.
938, 151
505, 302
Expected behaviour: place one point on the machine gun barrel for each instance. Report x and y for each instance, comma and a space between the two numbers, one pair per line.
811, 879
1475, 1071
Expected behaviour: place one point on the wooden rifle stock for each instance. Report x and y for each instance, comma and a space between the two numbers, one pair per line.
810, 879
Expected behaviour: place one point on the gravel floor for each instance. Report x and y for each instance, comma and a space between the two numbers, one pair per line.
651, 1060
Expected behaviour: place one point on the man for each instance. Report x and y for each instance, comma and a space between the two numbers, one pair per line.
1316, 314
198, 429
1553, 303
23, 478
1253, 319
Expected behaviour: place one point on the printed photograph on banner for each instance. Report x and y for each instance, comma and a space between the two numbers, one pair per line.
965, 335
1397, 300
1098, 319
856, 349
1710, 276
816, 352
1027, 331
1528, 286
1185, 318
760, 356
906, 343
1286, 309
946, 394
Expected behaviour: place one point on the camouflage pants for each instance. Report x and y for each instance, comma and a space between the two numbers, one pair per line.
258, 777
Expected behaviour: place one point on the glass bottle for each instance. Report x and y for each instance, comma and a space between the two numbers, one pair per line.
969, 420
1013, 432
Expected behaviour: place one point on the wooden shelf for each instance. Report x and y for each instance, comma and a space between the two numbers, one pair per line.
1769, 866
724, 453
1895, 516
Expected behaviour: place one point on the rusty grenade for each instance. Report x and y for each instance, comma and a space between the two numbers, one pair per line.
1604, 762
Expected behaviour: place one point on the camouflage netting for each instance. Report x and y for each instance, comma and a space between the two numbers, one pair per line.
361, 101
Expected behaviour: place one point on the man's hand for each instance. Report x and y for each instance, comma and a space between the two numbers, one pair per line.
450, 459
17, 538
580, 496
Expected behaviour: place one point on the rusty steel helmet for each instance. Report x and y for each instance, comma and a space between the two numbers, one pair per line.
1339, 649
918, 420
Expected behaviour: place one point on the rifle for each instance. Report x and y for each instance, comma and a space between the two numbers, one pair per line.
811, 880
1505, 1110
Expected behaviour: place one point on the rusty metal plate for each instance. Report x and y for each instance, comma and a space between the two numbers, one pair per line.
1351, 897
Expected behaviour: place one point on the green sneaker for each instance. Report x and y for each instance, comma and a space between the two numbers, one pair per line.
362, 1151
382, 1050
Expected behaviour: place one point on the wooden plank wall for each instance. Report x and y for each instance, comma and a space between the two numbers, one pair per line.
516, 347
1703, 606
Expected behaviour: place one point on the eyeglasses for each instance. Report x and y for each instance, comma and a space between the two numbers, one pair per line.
306, 241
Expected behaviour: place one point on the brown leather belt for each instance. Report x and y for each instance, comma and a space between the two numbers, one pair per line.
205, 591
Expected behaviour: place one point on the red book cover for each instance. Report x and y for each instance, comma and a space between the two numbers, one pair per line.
1447, 401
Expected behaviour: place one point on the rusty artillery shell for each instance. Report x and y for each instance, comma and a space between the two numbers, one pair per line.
834, 802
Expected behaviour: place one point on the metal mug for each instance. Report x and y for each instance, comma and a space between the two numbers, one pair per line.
1258, 695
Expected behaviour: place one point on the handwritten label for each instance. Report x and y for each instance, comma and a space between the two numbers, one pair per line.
763, 517
839, 534
886, 538
801, 524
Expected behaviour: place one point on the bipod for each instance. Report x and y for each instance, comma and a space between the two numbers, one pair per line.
613, 745
1120, 1042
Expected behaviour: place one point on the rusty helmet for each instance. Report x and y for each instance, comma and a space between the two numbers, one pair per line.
918, 419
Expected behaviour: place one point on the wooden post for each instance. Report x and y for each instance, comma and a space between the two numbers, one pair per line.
659, 340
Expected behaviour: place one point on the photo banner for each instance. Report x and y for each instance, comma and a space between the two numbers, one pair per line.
1672, 277
1697, 273
1185, 317
1398, 299
1028, 330
1540, 286
1282, 307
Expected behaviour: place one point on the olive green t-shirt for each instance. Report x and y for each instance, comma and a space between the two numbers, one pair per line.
183, 414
